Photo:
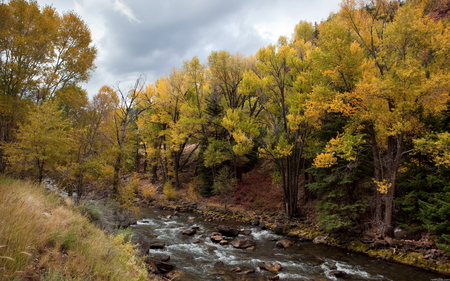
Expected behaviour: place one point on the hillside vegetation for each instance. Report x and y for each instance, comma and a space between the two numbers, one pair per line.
42, 238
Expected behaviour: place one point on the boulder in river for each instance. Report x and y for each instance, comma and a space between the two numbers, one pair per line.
165, 258
285, 243
228, 231
337, 273
245, 232
157, 245
189, 232
243, 242
159, 266
273, 267
216, 237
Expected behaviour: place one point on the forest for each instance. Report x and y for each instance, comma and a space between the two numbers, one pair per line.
350, 115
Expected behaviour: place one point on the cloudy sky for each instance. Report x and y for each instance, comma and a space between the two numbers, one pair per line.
151, 37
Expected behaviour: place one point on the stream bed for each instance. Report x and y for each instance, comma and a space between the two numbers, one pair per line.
198, 258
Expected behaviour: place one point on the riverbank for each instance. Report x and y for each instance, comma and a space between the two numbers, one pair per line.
43, 237
422, 253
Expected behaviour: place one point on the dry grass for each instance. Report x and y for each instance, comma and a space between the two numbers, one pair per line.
41, 238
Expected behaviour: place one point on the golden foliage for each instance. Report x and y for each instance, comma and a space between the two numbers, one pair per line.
383, 186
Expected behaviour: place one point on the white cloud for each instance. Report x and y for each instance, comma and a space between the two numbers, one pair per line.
126, 11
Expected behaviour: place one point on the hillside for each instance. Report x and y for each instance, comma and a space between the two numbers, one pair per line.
43, 238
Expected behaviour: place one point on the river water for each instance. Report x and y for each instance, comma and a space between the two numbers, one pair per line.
303, 261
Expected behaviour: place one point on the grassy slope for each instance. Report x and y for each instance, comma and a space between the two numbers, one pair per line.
41, 238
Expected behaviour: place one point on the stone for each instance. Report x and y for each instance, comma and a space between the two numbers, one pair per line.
320, 240
165, 258
216, 237
274, 278
285, 243
245, 232
228, 231
189, 232
272, 267
157, 245
403, 234
279, 229
197, 241
242, 242
143, 247
337, 273
247, 272
159, 266
223, 242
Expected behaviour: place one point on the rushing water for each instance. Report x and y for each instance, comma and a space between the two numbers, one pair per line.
303, 261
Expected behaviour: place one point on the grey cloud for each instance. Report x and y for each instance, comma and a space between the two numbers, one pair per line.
154, 36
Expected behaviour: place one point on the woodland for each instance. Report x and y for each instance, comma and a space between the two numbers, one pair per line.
349, 115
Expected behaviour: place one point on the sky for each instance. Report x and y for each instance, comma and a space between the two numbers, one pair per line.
151, 37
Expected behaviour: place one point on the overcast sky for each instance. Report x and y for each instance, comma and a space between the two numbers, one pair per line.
151, 37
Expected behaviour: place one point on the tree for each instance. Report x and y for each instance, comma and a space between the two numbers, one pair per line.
40, 52
295, 98
236, 105
43, 143
127, 111
404, 77
170, 106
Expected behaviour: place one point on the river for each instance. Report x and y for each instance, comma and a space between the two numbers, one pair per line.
303, 261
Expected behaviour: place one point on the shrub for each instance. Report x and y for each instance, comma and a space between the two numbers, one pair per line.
169, 191
148, 191
128, 193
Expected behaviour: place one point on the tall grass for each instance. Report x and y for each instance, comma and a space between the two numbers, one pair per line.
41, 238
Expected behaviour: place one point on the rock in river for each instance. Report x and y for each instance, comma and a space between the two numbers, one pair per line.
228, 231
242, 242
189, 232
216, 237
284, 243
273, 267
157, 245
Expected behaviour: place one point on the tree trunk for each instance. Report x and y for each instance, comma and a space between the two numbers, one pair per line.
176, 168
290, 173
116, 176
378, 173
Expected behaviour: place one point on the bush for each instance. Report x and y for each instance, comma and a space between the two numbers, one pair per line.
148, 191
169, 191
224, 185
127, 193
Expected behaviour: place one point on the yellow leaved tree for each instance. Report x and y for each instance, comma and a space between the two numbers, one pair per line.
402, 77
43, 143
